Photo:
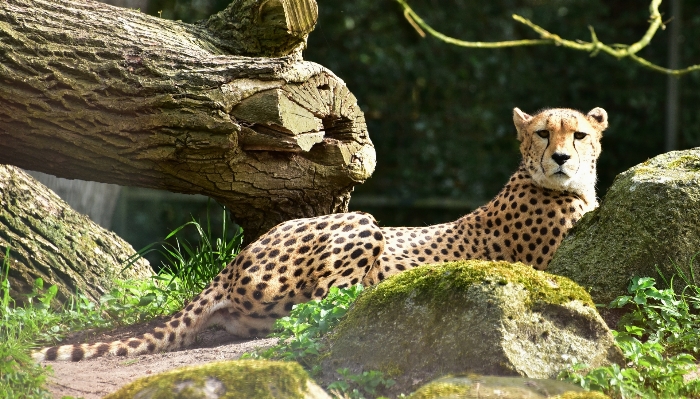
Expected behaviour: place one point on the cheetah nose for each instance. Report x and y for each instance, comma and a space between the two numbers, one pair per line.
559, 158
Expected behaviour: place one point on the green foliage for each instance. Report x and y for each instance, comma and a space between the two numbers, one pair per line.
191, 267
658, 334
300, 333
186, 269
135, 301
661, 316
19, 376
300, 339
356, 386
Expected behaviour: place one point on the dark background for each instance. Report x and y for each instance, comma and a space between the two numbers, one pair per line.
440, 116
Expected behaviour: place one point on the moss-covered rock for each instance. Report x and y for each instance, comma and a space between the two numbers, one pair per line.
484, 387
650, 217
250, 379
491, 318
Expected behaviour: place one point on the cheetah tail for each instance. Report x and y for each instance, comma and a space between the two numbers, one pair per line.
180, 330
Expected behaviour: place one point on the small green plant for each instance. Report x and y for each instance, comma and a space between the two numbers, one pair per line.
19, 376
356, 386
185, 273
300, 333
190, 268
300, 339
657, 340
662, 316
22, 329
135, 301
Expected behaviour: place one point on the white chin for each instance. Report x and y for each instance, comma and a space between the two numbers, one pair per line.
560, 177
556, 181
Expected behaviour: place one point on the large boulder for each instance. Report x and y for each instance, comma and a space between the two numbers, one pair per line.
47, 239
249, 379
649, 219
475, 386
491, 318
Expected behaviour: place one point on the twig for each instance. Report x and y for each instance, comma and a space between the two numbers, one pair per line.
595, 46
417, 20
413, 23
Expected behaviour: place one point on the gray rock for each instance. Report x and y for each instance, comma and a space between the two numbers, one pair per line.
249, 379
491, 318
484, 387
650, 217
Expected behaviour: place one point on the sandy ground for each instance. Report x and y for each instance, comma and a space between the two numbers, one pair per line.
92, 379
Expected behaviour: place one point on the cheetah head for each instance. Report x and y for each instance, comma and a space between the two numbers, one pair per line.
560, 148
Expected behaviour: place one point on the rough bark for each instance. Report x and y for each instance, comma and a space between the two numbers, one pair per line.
48, 239
95, 92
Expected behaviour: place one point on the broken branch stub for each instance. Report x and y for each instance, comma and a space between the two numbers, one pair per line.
94, 92
269, 28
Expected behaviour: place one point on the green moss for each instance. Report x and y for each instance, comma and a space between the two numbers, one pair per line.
391, 370
253, 379
689, 162
582, 395
492, 318
442, 390
438, 282
467, 386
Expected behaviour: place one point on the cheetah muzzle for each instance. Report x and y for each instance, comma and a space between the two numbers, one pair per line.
300, 260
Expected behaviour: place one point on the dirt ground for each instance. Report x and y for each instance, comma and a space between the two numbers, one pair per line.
92, 379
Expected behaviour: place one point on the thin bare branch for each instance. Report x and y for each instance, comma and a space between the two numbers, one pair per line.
593, 47
417, 20
413, 23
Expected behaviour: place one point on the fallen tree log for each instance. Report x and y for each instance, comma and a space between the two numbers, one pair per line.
47, 239
226, 107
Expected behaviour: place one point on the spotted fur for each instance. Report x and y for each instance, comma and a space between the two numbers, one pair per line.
300, 260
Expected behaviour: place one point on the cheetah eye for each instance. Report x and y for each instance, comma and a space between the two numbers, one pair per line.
580, 135
543, 133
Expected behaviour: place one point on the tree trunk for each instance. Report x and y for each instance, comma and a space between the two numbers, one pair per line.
137, 4
94, 92
48, 239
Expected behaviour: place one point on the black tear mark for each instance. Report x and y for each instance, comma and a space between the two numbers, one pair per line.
543, 152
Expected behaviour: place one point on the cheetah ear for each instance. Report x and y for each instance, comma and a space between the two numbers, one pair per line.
521, 120
598, 118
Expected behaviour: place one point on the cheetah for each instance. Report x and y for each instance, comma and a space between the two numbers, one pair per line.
299, 260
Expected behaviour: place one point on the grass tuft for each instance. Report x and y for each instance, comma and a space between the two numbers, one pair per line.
19, 376
22, 329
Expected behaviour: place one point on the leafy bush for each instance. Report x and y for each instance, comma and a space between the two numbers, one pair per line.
657, 335
300, 333
661, 316
19, 376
